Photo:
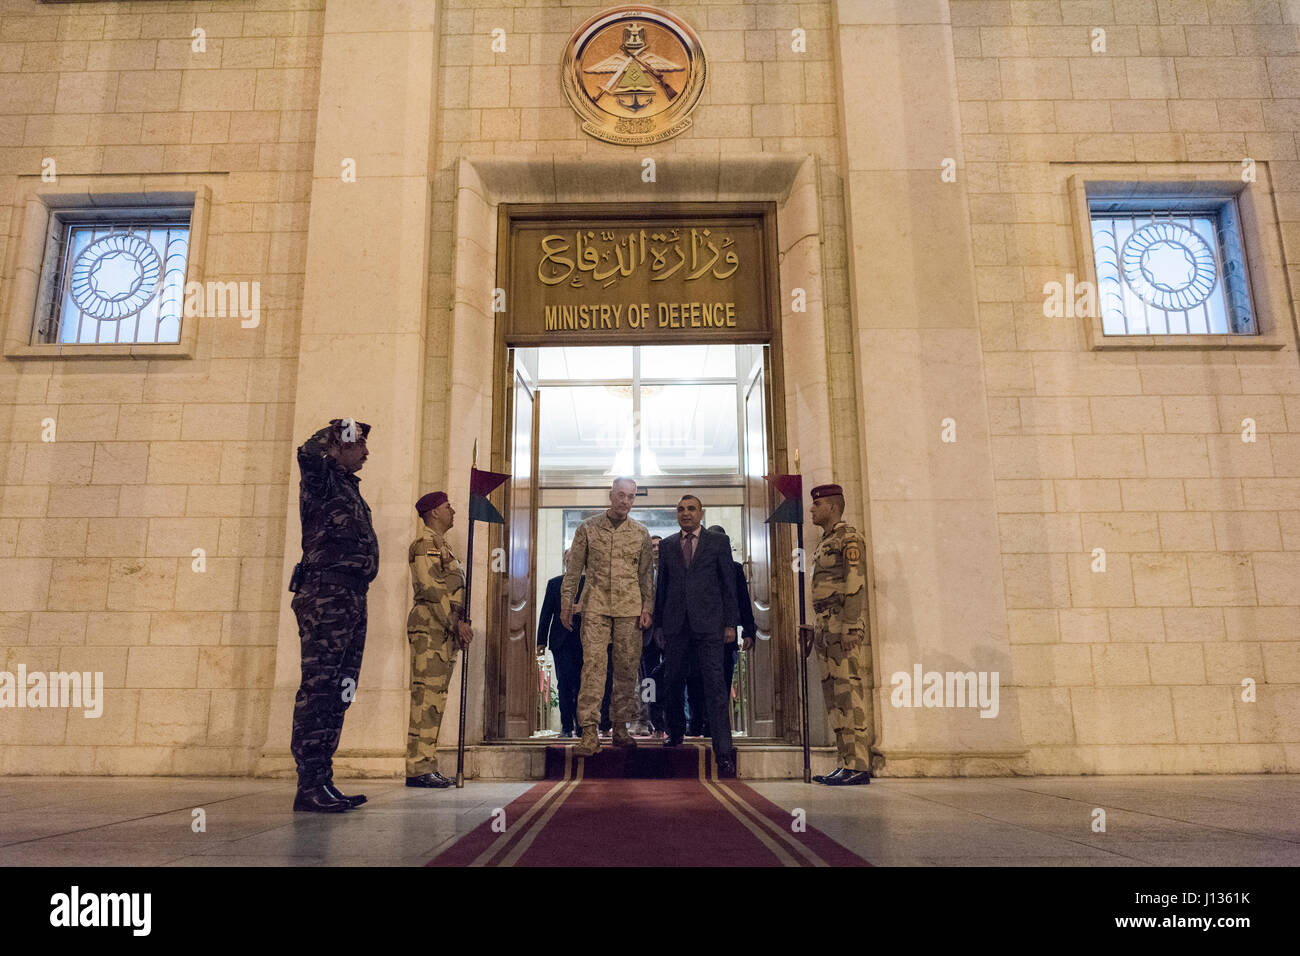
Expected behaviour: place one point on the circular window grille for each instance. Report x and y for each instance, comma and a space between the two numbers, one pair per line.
1169, 266
115, 277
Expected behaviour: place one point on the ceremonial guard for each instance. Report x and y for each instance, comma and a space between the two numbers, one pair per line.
839, 591
436, 629
340, 557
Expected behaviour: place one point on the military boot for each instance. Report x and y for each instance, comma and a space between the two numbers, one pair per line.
590, 743
623, 737
319, 799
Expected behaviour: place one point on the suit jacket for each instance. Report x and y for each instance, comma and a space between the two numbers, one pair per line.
702, 597
550, 629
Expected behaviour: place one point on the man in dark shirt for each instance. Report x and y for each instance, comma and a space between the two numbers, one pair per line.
340, 557
566, 648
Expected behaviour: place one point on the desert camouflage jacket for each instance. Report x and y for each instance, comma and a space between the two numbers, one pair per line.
438, 579
839, 583
618, 563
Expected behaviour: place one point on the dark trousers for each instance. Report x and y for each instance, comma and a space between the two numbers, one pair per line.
699, 714
332, 632
703, 653
568, 677
652, 669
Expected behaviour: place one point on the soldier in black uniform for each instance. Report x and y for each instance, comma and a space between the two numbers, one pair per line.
340, 557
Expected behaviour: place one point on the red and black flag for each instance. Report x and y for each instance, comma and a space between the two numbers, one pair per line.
482, 484
789, 511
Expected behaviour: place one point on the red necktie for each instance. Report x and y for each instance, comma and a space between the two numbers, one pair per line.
688, 549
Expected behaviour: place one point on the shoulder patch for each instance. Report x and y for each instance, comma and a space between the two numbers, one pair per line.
852, 551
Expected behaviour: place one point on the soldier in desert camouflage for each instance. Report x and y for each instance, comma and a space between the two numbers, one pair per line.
839, 592
436, 629
613, 552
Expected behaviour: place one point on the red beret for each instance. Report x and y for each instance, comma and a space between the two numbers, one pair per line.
825, 491
430, 501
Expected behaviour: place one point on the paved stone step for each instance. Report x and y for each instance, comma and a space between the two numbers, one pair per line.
646, 762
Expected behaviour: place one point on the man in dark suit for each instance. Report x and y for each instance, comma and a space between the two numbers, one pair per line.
695, 603
730, 651
566, 648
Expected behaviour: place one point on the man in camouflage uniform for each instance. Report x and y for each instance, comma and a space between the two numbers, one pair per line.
436, 629
340, 557
839, 590
613, 551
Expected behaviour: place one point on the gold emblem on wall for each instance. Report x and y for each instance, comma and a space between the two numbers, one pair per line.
634, 74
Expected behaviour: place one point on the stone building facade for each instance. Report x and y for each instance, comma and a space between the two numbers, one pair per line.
930, 161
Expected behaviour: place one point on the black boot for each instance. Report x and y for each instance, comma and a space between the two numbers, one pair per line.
850, 778
319, 800
338, 794
432, 780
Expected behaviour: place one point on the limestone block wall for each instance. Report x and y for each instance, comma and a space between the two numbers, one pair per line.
1139, 668
154, 458
761, 96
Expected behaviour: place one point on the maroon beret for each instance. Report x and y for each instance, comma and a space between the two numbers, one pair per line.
825, 491
430, 501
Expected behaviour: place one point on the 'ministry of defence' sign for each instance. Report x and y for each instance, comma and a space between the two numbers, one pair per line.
664, 274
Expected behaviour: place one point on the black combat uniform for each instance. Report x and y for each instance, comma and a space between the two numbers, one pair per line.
340, 557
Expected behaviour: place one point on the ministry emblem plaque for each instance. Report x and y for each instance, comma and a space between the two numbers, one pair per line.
634, 74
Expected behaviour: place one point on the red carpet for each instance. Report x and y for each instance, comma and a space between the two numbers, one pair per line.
611, 821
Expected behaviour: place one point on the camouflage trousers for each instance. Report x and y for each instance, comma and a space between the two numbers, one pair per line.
432, 655
845, 682
332, 631
599, 630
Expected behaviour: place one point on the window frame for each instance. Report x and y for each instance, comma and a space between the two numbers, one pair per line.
1260, 237
43, 208
572, 479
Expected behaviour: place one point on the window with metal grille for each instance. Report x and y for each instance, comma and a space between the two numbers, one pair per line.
114, 277
1169, 267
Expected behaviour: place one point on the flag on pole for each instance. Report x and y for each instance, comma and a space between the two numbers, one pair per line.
482, 484
789, 511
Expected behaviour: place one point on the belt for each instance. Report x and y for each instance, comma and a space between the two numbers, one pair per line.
354, 581
828, 603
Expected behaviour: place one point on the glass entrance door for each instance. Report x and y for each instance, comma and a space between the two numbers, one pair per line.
678, 419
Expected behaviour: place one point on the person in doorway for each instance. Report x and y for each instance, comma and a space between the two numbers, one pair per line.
436, 629
566, 649
839, 592
613, 552
730, 651
695, 603
648, 698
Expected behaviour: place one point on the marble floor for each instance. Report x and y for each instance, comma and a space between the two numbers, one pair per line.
1028, 821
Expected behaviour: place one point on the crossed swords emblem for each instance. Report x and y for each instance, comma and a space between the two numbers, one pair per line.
628, 81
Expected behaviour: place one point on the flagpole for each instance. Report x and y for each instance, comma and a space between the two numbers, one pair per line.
803, 658
464, 651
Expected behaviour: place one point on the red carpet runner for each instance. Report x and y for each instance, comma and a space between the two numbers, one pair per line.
607, 820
